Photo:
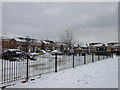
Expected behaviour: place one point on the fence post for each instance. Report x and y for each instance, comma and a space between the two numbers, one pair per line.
103, 56
2, 71
73, 60
112, 55
27, 76
55, 62
98, 57
84, 58
92, 57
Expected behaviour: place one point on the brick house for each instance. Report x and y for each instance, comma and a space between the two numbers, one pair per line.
12, 44
47, 45
31, 45
114, 46
7, 42
36, 45
61, 46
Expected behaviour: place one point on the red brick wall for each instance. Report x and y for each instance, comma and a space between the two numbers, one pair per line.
12, 44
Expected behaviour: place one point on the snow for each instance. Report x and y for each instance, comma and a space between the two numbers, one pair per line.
13, 50
19, 40
97, 45
43, 51
56, 51
46, 42
101, 74
34, 53
117, 44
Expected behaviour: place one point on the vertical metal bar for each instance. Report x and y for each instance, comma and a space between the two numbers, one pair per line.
55, 62
112, 55
24, 72
19, 71
79, 56
12, 68
41, 66
14, 71
27, 77
29, 68
2, 70
98, 57
84, 58
47, 69
7, 71
73, 59
36, 67
92, 57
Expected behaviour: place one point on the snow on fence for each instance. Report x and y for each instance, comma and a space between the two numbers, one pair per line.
17, 68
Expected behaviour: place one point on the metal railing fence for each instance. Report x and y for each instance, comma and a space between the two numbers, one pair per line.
14, 67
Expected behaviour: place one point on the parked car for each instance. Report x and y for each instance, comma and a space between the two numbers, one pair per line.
57, 51
13, 54
34, 54
41, 52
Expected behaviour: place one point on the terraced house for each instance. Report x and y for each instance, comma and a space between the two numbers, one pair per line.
28, 44
7, 42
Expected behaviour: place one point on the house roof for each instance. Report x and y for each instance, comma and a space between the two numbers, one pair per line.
47, 41
36, 41
95, 44
114, 44
60, 43
20, 39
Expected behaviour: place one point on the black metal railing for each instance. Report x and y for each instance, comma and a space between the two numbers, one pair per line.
24, 66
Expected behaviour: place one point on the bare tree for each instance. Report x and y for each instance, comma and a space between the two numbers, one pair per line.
68, 38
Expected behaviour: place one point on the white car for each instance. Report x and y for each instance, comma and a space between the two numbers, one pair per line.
56, 51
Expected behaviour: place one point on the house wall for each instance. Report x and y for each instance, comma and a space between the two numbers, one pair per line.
5, 44
12, 44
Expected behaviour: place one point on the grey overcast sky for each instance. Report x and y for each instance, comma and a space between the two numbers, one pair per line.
89, 21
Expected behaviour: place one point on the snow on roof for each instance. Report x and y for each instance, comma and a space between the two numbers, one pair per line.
95, 44
117, 44
36, 41
83, 45
20, 40
46, 42
114, 44
60, 43
98, 44
75, 45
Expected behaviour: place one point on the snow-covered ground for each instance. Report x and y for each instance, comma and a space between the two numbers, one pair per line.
101, 74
